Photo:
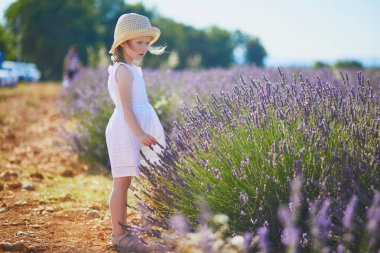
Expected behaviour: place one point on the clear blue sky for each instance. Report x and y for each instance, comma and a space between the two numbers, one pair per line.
290, 30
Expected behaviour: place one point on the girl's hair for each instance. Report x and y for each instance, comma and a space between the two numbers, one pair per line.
119, 57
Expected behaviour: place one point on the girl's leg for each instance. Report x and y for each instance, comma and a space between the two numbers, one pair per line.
117, 203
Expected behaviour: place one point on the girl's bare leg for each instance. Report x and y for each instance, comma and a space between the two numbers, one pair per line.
117, 203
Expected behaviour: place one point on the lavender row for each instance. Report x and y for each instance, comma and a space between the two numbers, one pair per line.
239, 144
87, 101
239, 151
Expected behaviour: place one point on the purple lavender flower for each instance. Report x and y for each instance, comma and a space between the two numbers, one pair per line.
247, 240
263, 234
290, 234
373, 220
179, 224
295, 194
320, 224
243, 197
349, 213
340, 248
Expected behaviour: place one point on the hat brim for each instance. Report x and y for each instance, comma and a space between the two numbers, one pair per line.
154, 32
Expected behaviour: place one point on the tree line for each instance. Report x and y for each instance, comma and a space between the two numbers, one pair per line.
45, 29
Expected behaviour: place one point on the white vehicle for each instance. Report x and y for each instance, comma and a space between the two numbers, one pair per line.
32, 73
13, 74
7, 78
24, 71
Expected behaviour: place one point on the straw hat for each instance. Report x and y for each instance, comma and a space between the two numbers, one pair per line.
131, 26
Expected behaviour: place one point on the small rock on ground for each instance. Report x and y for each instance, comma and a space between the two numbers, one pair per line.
17, 246
37, 177
21, 202
27, 186
93, 214
67, 173
8, 175
14, 185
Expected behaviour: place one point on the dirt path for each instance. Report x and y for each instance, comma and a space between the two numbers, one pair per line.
49, 201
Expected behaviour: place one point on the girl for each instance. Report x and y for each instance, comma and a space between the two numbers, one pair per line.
134, 124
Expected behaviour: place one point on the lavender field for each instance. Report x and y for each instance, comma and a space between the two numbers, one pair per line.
259, 160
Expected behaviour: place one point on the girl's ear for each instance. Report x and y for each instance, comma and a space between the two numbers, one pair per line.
124, 44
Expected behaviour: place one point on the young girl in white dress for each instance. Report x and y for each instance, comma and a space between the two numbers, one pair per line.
134, 124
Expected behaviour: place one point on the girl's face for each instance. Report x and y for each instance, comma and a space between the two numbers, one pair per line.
135, 49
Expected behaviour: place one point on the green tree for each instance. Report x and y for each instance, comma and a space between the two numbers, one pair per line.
198, 48
48, 28
320, 64
256, 53
218, 48
195, 48
172, 35
348, 65
7, 44
239, 37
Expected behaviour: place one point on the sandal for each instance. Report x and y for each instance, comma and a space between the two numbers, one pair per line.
131, 243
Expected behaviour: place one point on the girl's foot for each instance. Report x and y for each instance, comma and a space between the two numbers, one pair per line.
131, 243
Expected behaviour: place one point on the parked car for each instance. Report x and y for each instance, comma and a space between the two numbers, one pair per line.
7, 78
16, 68
23, 71
32, 73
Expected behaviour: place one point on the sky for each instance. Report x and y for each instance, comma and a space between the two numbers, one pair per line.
291, 31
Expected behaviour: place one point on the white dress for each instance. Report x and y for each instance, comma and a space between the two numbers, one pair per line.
123, 146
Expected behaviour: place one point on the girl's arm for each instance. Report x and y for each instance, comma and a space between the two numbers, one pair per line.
124, 79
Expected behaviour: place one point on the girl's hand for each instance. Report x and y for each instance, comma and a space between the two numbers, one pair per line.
147, 139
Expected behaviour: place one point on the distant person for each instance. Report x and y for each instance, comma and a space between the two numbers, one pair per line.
71, 65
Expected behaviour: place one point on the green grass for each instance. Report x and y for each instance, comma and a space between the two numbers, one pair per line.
82, 189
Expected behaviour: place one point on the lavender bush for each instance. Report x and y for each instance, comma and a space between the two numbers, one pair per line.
240, 151
213, 236
88, 106
87, 103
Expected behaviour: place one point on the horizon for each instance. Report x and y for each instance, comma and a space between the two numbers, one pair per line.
294, 33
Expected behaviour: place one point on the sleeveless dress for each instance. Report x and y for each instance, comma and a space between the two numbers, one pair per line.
122, 145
